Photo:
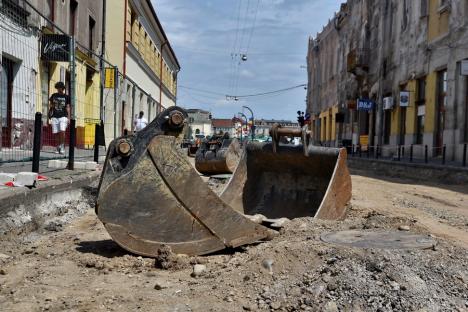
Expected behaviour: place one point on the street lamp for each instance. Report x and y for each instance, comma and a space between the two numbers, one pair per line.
246, 122
252, 128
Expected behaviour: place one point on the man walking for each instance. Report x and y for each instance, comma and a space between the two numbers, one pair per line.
140, 122
59, 114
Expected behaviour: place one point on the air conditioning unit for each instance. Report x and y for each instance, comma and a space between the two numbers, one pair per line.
388, 102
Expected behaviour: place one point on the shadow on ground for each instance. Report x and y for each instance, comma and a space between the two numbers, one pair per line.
105, 248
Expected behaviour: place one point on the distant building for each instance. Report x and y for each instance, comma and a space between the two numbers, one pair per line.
199, 123
406, 62
263, 126
221, 126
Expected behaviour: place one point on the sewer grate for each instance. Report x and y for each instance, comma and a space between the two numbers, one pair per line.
383, 240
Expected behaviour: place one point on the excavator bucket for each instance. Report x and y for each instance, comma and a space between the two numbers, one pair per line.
290, 181
150, 195
218, 156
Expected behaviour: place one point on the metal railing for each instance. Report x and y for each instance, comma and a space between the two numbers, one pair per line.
413, 153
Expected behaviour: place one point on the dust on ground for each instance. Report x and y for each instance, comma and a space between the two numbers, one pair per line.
78, 268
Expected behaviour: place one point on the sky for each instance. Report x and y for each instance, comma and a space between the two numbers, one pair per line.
209, 38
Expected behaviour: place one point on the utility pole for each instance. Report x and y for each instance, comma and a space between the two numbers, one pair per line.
252, 128
246, 122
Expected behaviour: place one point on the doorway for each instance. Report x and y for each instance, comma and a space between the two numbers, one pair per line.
6, 100
441, 104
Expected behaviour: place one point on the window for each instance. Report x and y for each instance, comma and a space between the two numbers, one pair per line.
91, 29
72, 21
421, 109
424, 8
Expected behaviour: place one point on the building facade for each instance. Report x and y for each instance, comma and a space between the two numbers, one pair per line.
28, 78
389, 73
199, 123
137, 44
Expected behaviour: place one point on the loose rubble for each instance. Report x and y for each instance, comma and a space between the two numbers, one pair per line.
80, 268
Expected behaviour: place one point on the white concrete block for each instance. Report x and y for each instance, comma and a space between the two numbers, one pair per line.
52, 164
80, 165
6, 177
26, 178
91, 165
62, 164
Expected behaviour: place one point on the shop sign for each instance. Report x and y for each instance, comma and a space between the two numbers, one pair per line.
109, 81
351, 104
365, 104
404, 98
55, 48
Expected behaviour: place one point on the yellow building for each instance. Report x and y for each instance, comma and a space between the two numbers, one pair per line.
140, 49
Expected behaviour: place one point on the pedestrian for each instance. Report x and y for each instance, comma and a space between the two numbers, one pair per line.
140, 122
59, 114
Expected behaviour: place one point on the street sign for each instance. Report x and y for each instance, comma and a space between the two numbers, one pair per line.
464, 68
404, 98
109, 81
365, 104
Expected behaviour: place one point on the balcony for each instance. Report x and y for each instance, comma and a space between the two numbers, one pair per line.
14, 9
358, 59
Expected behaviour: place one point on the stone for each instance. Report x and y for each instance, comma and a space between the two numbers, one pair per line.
268, 264
159, 285
257, 218
3, 272
404, 228
198, 270
330, 307
26, 178
275, 305
4, 256
281, 222
394, 285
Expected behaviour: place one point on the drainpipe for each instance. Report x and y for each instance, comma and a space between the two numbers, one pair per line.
124, 65
101, 61
160, 73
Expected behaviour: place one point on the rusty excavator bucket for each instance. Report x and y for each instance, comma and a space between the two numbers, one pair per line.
218, 155
290, 181
150, 195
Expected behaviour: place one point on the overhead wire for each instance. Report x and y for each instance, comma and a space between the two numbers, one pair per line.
233, 48
266, 93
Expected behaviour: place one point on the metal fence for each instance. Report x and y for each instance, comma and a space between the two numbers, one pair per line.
412, 153
29, 72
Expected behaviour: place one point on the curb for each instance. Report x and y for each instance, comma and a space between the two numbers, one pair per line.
24, 210
415, 171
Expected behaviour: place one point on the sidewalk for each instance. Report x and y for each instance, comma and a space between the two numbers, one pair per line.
25, 209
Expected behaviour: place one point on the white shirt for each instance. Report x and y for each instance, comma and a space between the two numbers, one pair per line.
140, 123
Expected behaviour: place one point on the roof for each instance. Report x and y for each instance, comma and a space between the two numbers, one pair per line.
222, 123
162, 32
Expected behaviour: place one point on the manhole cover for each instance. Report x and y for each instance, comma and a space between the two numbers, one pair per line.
386, 240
